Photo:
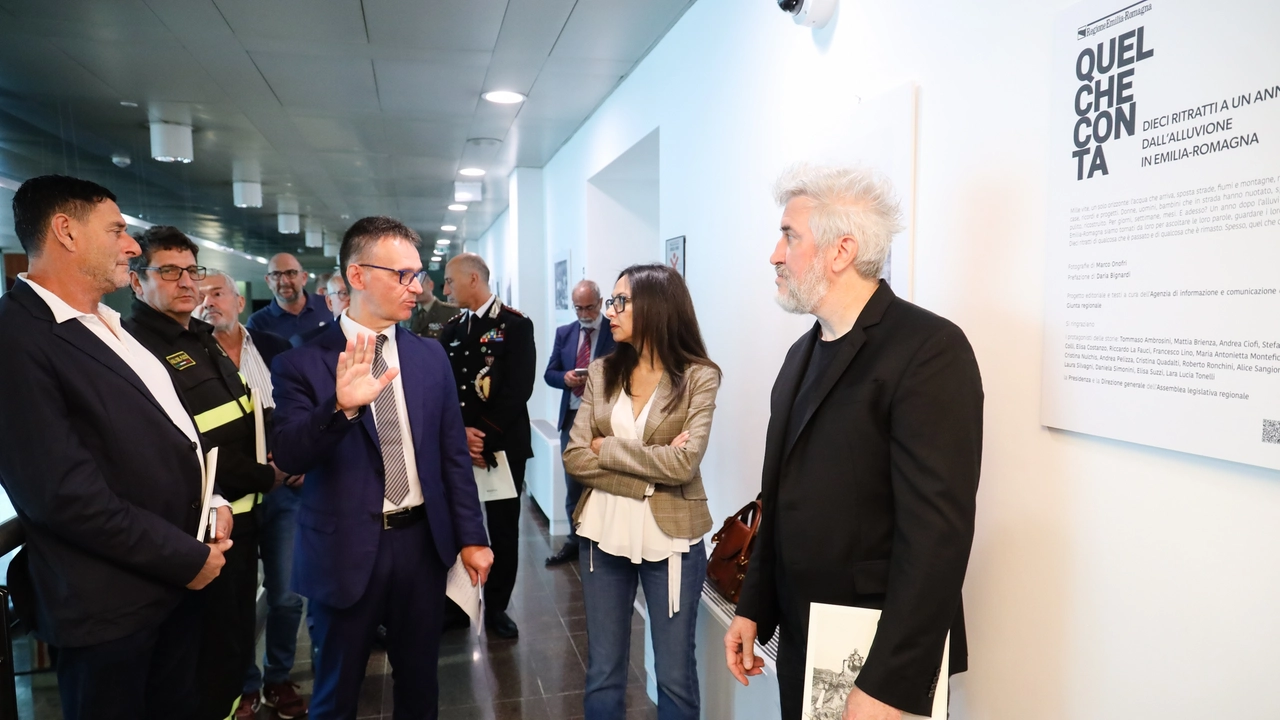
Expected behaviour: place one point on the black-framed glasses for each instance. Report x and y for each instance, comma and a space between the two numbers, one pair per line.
618, 303
277, 274
173, 272
406, 276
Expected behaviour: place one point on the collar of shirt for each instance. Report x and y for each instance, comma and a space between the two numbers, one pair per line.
353, 330
63, 312
308, 305
485, 307
424, 307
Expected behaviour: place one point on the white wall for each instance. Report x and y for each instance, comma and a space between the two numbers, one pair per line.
1108, 580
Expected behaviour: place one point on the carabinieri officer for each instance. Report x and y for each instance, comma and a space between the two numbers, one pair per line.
494, 363
165, 279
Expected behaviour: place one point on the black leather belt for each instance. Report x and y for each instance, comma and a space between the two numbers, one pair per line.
402, 518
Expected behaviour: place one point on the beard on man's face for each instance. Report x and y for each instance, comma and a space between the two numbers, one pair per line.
801, 295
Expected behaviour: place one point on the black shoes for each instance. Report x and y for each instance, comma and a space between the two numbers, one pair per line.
502, 626
567, 554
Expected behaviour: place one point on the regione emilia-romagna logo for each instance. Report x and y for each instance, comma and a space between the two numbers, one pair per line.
1106, 104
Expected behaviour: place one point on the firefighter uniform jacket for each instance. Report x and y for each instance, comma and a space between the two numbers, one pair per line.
214, 392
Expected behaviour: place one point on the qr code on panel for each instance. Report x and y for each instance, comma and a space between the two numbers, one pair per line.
1271, 431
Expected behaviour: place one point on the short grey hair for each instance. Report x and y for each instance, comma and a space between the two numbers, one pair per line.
853, 201
590, 285
231, 282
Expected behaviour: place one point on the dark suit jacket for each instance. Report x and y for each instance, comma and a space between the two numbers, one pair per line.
339, 522
107, 488
269, 344
888, 459
564, 355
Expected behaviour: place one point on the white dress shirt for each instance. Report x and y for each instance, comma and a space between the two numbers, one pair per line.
154, 375
255, 370
574, 400
391, 355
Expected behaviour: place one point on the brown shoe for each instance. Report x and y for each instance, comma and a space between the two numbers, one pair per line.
248, 707
285, 699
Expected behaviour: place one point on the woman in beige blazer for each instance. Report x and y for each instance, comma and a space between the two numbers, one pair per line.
636, 446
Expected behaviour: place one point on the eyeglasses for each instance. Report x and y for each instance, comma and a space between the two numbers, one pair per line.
587, 308
277, 274
406, 276
341, 294
618, 303
173, 272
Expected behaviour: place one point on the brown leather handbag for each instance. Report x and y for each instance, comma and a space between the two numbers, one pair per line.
727, 566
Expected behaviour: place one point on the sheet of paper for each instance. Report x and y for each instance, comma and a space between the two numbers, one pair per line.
210, 472
495, 483
259, 428
459, 589
840, 639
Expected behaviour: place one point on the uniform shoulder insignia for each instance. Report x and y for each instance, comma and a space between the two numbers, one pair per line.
513, 310
456, 317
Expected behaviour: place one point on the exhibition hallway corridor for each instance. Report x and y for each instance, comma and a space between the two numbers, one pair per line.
539, 676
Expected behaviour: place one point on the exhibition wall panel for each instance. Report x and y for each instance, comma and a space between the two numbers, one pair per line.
1108, 580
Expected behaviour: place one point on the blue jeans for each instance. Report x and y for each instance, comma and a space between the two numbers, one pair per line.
277, 522
609, 591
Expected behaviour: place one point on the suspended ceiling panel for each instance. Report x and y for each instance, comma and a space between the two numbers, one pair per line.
353, 107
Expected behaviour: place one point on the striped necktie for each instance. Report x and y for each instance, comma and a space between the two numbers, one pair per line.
390, 435
584, 357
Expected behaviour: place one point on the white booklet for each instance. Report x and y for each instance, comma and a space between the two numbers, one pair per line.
459, 589
495, 483
206, 492
840, 639
259, 428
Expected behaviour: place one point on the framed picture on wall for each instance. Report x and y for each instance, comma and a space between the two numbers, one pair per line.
675, 254
562, 284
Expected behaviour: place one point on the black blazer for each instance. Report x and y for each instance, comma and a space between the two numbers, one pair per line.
877, 494
270, 344
107, 488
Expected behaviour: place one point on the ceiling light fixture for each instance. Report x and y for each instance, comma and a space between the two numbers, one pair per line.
503, 97
128, 103
287, 220
464, 191
171, 142
448, 228
443, 241
471, 172
315, 234
246, 193
458, 207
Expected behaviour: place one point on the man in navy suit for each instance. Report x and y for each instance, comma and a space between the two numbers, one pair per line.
577, 344
368, 412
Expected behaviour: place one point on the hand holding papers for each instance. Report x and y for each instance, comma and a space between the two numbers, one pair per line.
466, 577
495, 483
840, 639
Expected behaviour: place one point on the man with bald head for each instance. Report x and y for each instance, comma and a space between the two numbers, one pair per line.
293, 311
577, 344
490, 347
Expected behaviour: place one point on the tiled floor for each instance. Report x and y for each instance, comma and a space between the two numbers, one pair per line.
540, 675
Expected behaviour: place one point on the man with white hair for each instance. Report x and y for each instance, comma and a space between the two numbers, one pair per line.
252, 351
871, 459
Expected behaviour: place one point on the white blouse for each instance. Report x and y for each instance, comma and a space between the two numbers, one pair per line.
625, 527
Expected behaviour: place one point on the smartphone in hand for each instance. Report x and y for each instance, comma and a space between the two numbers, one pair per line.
579, 371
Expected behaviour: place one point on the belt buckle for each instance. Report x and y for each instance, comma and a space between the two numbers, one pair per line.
385, 525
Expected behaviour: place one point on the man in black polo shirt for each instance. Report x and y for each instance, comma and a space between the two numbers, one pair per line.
165, 279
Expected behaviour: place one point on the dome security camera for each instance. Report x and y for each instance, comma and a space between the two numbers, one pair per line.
809, 13
121, 160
